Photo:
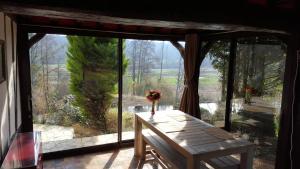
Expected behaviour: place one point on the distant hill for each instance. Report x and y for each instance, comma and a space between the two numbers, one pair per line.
171, 55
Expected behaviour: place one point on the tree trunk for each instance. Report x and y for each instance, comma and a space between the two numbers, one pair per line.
58, 77
223, 96
47, 73
179, 75
43, 77
261, 80
161, 62
139, 65
134, 67
245, 67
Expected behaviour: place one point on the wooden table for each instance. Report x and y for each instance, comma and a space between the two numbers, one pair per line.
193, 138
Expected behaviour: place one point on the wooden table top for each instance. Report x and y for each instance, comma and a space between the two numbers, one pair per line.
192, 136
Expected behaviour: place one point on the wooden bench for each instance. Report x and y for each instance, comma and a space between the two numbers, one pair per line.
226, 162
173, 159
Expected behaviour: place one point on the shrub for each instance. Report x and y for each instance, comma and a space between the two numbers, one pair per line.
112, 121
93, 64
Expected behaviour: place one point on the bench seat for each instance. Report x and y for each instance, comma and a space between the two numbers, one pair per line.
176, 160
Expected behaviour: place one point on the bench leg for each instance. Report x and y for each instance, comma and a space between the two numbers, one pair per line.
138, 140
247, 159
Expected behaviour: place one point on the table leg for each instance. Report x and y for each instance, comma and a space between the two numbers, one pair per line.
247, 159
143, 155
192, 163
138, 140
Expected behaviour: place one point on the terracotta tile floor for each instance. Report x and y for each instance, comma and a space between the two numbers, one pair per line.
118, 159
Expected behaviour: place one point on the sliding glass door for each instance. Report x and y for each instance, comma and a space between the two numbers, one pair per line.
151, 65
75, 87
213, 83
257, 91
74, 83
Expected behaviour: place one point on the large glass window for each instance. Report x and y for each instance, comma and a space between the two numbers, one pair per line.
213, 83
151, 65
75, 91
258, 81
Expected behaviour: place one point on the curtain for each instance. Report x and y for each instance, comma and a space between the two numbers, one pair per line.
190, 97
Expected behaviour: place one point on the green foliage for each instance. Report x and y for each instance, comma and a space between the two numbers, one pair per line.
112, 121
93, 66
167, 95
219, 54
276, 124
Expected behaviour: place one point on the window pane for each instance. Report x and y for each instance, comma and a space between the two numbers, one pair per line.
256, 104
75, 91
213, 83
151, 65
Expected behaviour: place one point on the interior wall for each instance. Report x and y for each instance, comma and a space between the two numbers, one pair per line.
10, 118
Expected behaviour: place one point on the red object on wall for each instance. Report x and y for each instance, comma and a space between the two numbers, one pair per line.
24, 152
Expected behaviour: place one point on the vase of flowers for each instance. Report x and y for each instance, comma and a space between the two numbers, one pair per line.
153, 96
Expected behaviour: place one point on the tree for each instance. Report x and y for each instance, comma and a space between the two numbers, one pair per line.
42, 59
219, 54
161, 60
93, 66
142, 59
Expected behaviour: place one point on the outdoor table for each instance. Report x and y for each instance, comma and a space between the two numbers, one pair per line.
193, 138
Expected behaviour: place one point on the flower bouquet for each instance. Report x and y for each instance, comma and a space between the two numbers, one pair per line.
153, 96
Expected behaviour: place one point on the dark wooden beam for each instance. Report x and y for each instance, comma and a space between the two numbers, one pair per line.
296, 133
209, 15
105, 27
35, 38
90, 32
230, 82
289, 109
24, 79
179, 47
283, 36
205, 49
120, 88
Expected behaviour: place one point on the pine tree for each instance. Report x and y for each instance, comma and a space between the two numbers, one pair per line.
93, 66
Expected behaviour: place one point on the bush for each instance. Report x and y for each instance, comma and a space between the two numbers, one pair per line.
276, 124
167, 94
112, 121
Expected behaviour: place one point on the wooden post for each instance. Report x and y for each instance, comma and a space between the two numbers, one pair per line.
247, 159
231, 71
25, 79
138, 146
288, 108
192, 163
120, 87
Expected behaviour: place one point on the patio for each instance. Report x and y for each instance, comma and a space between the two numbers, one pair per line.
57, 138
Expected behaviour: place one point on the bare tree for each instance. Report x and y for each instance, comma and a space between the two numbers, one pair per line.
161, 60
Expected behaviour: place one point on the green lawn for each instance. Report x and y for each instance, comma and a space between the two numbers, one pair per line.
209, 80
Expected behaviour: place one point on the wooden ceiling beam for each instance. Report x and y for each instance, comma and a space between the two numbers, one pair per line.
35, 38
61, 24
186, 17
238, 34
90, 32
